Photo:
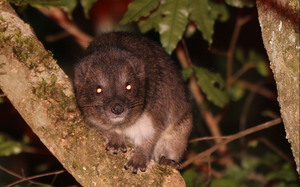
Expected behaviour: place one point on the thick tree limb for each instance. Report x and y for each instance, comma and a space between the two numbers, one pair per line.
43, 95
279, 22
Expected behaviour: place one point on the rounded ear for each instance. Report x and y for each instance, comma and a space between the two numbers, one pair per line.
137, 65
80, 72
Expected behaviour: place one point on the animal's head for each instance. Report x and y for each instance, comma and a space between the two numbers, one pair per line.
110, 88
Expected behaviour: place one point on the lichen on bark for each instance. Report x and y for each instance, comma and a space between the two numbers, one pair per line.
279, 22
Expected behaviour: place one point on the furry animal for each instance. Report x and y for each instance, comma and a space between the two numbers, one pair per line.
129, 88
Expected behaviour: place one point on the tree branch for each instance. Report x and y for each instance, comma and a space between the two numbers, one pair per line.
279, 22
43, 95
230, 139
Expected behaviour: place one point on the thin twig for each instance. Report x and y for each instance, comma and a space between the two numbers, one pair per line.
208, 138
245, 109
18, 176
36, 176
276, 149
186, 52
240, 72
231, 138
262, 91
209, 171
200, 101
10, 172
239, 23
61, 19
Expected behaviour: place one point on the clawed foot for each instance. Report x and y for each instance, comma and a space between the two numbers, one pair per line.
116, 144
137, 161
168, 162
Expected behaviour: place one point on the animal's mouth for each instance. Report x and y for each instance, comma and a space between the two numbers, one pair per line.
116, 117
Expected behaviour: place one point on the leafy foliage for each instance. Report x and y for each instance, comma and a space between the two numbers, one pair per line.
38, 3
170, 18
251, 171
200, 14
172, 26
138, 9
210, 83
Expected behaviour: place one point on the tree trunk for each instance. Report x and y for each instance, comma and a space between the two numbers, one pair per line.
279, 22
43, 95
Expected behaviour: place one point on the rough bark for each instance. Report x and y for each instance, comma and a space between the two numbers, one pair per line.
279, 22
43, 95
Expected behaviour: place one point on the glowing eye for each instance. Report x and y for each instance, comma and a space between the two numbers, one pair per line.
128, 87
99, 90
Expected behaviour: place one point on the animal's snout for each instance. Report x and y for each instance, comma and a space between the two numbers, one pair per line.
117, 109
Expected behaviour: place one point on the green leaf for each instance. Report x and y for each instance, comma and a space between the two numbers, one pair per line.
138, 9
8, 148
262, 68
186, 73
152, 22
224, 182
253, 143
286, 173
207, 80
236, 92
192, 177
239, 55
249, 164
38, 3
241, 3
87, 5
218, 11
200, 14
260, 63
172, 26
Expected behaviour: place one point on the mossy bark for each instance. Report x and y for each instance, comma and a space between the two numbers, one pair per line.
43, 95
279, 22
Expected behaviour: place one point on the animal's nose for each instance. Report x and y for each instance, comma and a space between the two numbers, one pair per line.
117, 109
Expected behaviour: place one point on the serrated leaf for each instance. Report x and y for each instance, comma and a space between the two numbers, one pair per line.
87, 5
172, 26
200, 10
151, 23
207, 81
138, 9
38, 3
241, 3
8, 148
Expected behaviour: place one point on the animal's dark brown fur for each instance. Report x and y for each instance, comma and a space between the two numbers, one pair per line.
128, 87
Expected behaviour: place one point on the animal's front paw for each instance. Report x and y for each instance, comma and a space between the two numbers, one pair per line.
137, 161
168, 162
115, 144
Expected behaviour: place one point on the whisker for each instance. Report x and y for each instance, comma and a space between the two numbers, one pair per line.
136, 104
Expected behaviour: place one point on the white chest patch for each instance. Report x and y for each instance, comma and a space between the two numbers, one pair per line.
141, 130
